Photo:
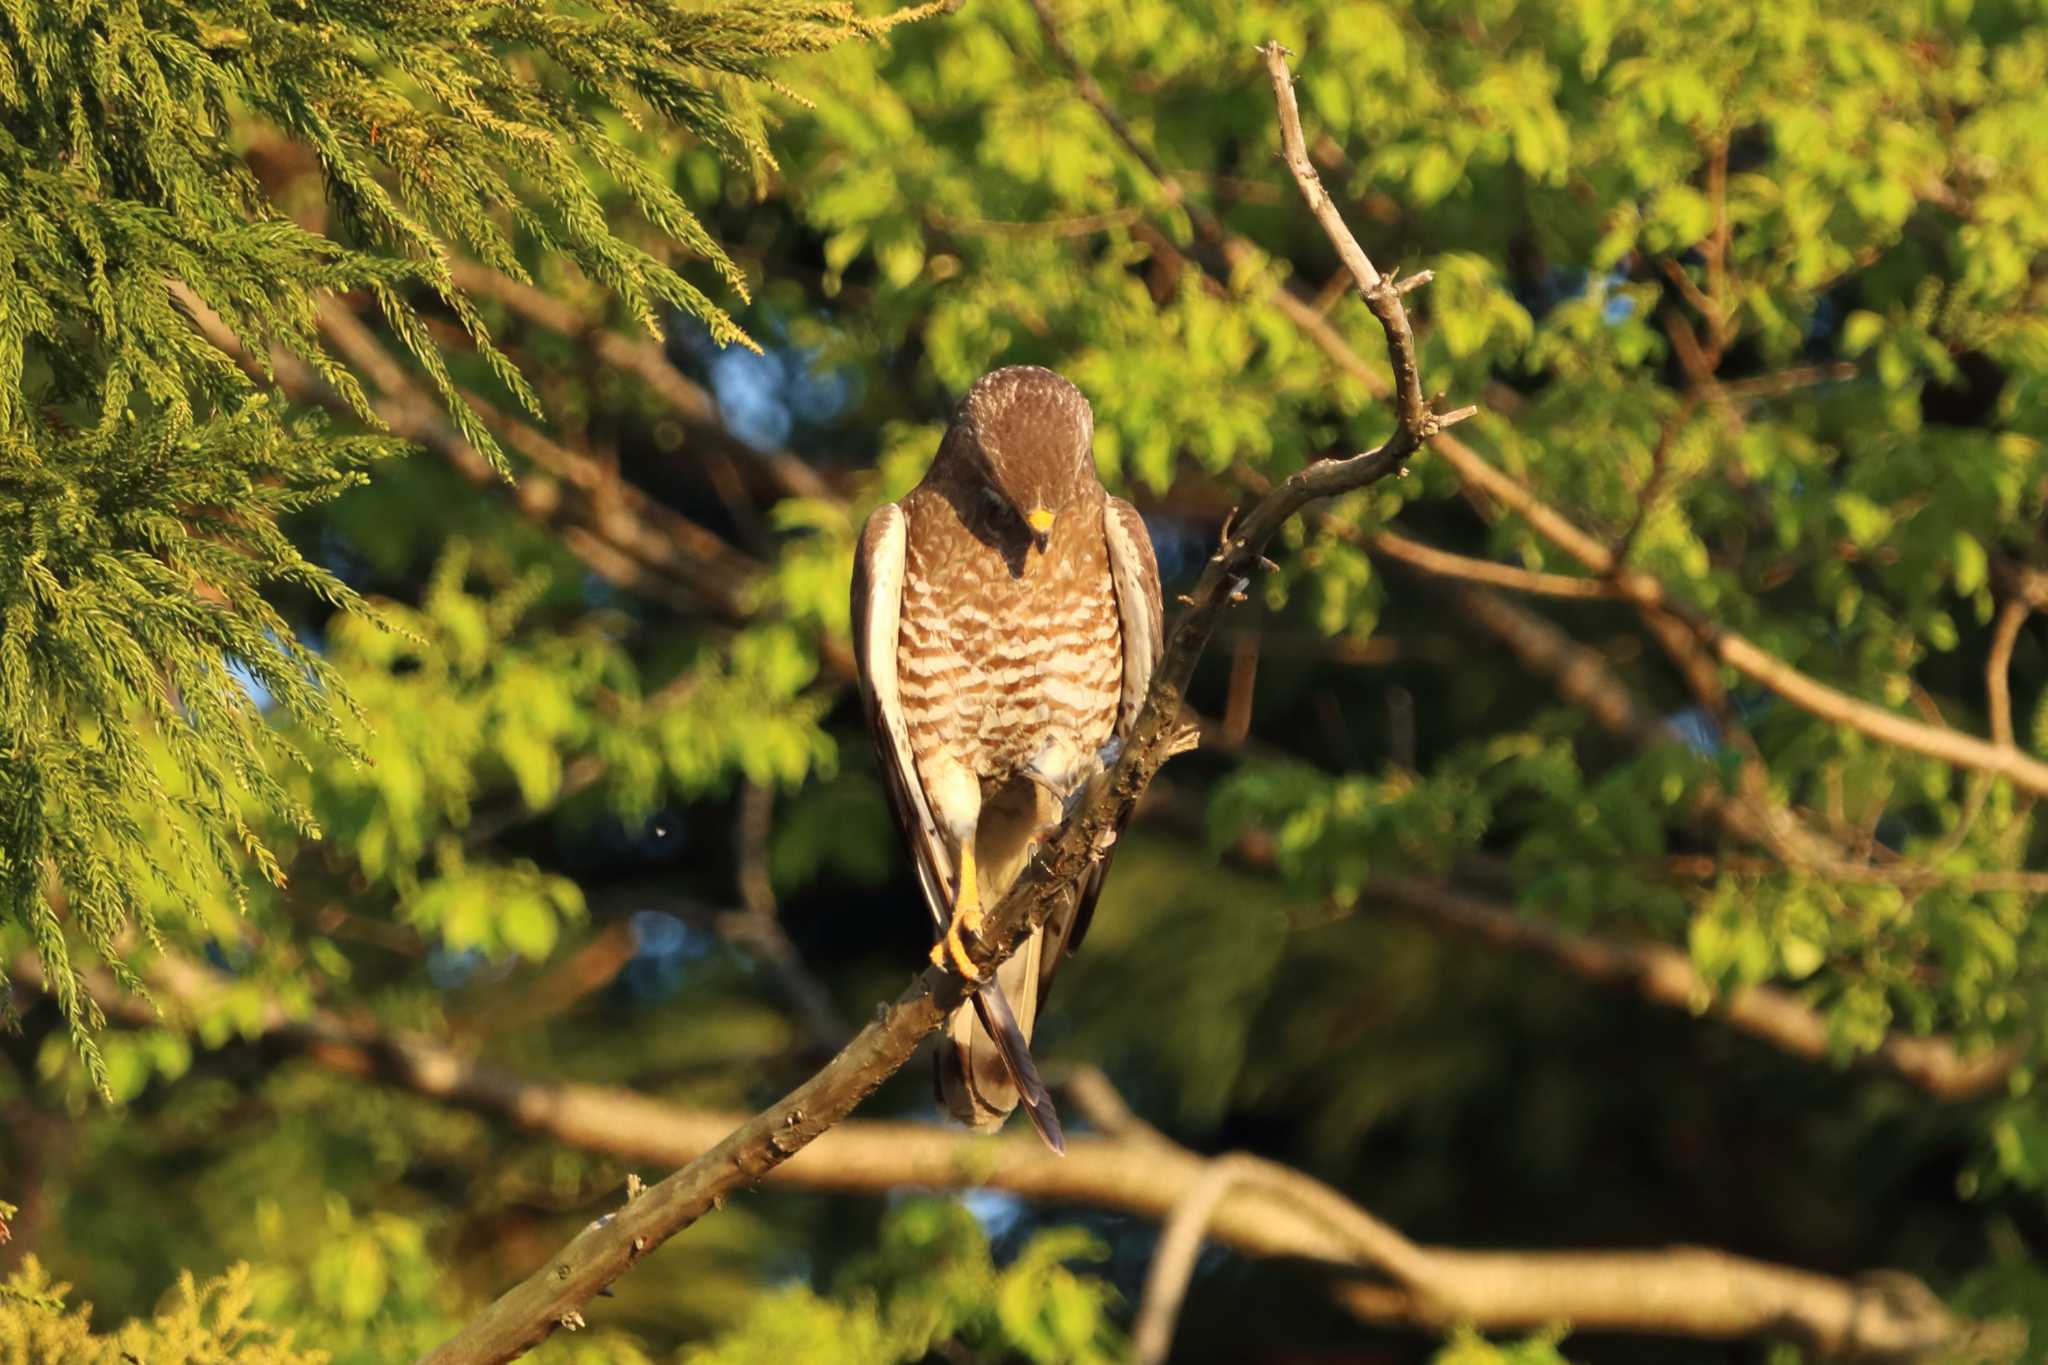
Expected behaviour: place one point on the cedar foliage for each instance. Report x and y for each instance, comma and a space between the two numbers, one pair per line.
203, 1324
143, 473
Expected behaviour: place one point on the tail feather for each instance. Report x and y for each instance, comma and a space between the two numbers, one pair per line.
1001, 1025
984, 1065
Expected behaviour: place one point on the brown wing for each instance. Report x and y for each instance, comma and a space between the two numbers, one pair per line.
1140, 613
1141, 621
877, 618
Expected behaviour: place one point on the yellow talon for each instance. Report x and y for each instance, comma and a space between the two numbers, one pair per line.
952, 949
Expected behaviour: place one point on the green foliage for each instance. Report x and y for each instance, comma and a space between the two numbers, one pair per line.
142, 472
1467, 1347
369, 1290
471, 698
364, 1289
204, 1324
930, 1285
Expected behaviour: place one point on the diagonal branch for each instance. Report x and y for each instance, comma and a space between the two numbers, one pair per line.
1723, 645
569, 489
629, 541
1581, 677
1381, 294
1664, 975
555, 1294
1935, 1064
1448, 564
1173, 1264
647, 362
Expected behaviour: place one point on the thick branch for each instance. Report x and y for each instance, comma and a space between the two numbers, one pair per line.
1661, 974
1173, 1263
1267, 1210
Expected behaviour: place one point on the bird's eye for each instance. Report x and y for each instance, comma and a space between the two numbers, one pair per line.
996, 501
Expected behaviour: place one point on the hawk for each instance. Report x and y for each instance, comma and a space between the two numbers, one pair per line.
1006, 621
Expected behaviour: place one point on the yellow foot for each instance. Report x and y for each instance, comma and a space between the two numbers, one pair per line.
966, 917
951, 951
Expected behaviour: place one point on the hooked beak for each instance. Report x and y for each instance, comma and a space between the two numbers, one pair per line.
1040, 521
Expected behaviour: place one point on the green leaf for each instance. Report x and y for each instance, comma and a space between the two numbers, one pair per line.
1860, 331
1972, 567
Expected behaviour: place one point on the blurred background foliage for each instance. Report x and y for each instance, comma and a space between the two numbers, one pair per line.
1756, 296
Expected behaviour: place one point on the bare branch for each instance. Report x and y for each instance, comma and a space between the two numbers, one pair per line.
617, 550
1380, 296
1766, 386
1728, 647
1665, 976
625, 536
1170, 187
1081, 225
1173, 1262
1099, 1101
576, 492
646, 362
589, 969
759, 926
1582, 677
2005, 634
1445, 564
1577, 671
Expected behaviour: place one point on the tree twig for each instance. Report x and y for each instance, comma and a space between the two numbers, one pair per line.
576, 491
1726, 646
2005, 635
409, 413
759, 926
1665, 976
1446, 564
1173, 1261
647, 362
1582, 677
1381, 294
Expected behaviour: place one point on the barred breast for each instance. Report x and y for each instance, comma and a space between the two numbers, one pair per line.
999, 666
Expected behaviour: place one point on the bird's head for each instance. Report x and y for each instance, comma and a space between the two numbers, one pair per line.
1025, 436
